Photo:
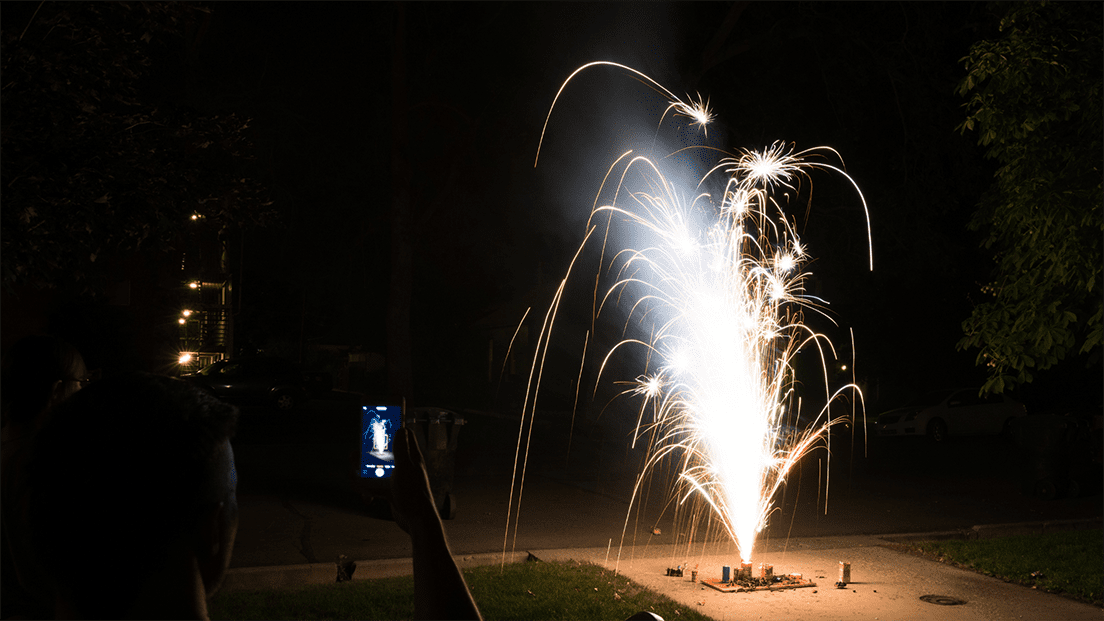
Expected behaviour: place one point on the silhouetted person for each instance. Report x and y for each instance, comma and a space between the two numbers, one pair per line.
132, 500
134, 511
38, 373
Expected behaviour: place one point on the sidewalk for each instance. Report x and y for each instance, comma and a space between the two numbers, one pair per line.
886, 584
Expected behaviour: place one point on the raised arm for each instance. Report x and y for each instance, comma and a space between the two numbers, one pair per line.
439, 588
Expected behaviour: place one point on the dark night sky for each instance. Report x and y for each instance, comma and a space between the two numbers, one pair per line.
872, 80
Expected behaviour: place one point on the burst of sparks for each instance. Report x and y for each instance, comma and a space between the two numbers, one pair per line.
697, 111
726, 299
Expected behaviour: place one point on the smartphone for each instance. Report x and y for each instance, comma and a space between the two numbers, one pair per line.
378, 425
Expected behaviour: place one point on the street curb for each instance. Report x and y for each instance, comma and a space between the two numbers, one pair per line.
989, 531
279, 577
292, 576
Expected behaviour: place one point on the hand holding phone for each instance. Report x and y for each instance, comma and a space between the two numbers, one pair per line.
411, 495
440, 591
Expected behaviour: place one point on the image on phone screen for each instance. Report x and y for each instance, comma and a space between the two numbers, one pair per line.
378, 425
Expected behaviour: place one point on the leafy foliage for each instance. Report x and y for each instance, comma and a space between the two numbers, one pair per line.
94, 163
1034, 98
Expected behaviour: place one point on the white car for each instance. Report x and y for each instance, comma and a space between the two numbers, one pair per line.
952, 412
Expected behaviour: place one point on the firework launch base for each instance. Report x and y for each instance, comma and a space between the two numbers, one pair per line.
777, 583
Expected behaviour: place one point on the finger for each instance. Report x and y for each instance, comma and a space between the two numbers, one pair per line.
402, 449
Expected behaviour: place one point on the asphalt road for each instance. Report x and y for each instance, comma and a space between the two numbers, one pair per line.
300, 503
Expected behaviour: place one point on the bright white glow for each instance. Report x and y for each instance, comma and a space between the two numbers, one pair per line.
186, 313
194, 285
727, 320
722, 305
185, 358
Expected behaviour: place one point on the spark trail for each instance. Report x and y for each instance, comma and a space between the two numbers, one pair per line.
720, 282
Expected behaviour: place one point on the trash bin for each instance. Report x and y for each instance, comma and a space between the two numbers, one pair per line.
436, 430
1044, 443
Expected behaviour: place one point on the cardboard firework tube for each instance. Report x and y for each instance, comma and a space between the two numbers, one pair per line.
745, 571
844, 572
766, 571
726, 573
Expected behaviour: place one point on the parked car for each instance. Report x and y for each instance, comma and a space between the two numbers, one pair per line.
261, 380
952, 412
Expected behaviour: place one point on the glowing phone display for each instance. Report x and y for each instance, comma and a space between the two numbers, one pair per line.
378, 424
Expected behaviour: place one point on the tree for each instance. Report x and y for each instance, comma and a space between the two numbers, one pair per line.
1034, 98
98, 160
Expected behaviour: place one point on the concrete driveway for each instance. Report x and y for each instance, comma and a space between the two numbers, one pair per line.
886, 584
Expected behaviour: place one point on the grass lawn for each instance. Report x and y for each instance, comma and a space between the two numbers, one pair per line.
1066, 562
530, 590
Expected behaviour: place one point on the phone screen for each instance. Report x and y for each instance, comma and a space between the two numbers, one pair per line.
378, 424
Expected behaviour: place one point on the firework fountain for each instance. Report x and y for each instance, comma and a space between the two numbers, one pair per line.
720, 283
